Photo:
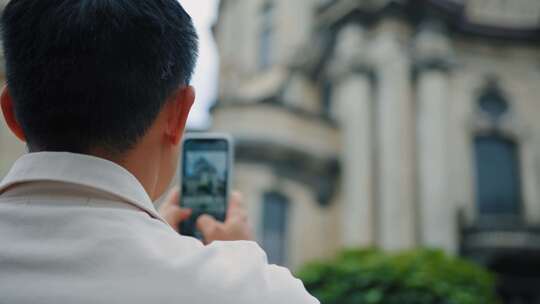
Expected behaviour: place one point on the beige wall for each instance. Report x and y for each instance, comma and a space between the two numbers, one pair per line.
310, 227
10, 149
238, 34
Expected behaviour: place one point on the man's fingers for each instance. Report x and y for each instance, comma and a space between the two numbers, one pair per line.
184, 214
236, 226
206, 223
235, 203
237, 198
236, 209
174, 215
210, 228
171, 211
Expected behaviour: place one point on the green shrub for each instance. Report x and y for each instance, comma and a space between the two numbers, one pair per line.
413, 277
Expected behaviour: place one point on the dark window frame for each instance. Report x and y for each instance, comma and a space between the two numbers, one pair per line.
498, 176
498, 172
266, 35
275, 219
327, 91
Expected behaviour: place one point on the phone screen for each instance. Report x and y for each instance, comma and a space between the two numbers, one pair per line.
205, 173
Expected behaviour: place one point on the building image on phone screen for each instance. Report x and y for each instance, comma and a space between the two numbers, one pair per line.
205, 182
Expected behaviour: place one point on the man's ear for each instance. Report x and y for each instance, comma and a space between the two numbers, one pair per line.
9, 114
181, 106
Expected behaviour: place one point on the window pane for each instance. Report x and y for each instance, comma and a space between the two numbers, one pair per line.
327, 89
274, 227
265, 49
498, 176
266, 35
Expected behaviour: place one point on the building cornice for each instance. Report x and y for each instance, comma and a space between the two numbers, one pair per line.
278, 103
320, 175
454, 14
432, 64
340, 71
415, 11
433, 50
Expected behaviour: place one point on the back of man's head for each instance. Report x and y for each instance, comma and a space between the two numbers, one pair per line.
94, 73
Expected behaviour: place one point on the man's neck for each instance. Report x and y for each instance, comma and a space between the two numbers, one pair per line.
138, 162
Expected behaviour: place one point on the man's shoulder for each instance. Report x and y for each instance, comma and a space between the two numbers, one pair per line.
239, 272
225, 272
126, 254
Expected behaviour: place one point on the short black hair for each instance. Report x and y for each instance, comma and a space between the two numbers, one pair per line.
87, 74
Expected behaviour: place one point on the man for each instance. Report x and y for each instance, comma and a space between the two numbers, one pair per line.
99, 91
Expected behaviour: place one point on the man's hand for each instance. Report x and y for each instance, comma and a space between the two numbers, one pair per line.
235, 228
171, 211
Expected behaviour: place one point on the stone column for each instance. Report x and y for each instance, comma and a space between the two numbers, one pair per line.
353, 96
352, 101
437, 215
395, 171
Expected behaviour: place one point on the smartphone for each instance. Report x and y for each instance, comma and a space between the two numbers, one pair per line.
206, 170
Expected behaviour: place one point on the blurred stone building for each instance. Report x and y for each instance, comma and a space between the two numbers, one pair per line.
10, 147
385, 123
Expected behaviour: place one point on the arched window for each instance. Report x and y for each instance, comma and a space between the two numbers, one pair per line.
498, 177
274, 227
492, 103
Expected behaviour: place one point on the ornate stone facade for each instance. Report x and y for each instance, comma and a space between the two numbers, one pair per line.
384, 123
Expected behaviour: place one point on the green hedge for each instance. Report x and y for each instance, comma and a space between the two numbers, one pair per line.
413, 277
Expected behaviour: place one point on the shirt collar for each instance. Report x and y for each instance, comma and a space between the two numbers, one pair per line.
80, 169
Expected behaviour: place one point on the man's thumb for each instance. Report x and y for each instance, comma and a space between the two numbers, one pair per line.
207, 225
174, 215
184, 214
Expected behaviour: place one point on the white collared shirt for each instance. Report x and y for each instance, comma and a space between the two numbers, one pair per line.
80, 229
